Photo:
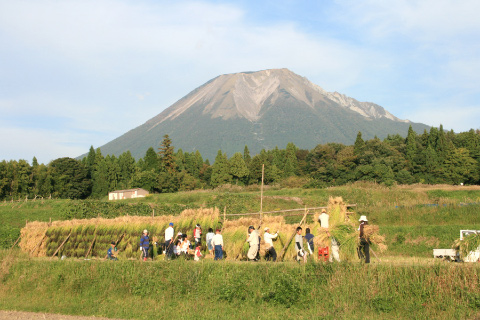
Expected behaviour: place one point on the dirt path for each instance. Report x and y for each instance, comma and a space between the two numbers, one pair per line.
20, 315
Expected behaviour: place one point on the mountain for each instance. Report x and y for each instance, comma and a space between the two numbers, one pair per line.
260, 109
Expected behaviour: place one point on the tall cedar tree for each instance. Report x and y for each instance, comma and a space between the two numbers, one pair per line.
167, 155
220, 170
359, 144
238, 168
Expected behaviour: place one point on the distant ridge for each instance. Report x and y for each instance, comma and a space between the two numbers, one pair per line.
260, 109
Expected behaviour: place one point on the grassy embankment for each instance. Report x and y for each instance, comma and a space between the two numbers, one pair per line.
226, 290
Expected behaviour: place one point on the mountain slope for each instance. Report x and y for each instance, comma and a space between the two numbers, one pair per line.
260, 109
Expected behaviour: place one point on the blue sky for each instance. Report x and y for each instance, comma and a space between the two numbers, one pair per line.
80, 73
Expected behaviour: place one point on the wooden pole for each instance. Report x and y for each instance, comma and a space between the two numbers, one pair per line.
282, 254
225, 214
15, 242
120, 239
91, 246
38, 244
379, 260
58, 249
261, 194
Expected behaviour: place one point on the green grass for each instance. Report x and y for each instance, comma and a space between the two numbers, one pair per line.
222, 290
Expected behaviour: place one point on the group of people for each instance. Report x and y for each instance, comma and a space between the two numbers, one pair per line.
179, 245
183, 247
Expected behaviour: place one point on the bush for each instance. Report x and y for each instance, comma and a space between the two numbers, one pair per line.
8, 236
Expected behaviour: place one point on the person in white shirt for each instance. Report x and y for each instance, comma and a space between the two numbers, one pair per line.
209, 237
270, 250
301, 254
323, 218
217, 242
176, 248
184, 245
168, 240
254, 241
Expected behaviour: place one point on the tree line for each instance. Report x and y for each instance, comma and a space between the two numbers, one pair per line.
431, 157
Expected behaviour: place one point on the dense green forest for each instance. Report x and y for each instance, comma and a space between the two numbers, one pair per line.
431, 157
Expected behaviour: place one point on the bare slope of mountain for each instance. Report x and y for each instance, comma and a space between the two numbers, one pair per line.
260, 109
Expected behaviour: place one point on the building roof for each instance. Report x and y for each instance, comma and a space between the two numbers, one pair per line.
127, 190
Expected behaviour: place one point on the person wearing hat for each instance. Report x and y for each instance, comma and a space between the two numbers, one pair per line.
364, 246
144, 244
253, 240
269, 249
323, 218
112, 252
169, 232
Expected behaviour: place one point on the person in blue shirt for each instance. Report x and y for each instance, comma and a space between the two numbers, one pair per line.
144, 244
309, 237
112, 252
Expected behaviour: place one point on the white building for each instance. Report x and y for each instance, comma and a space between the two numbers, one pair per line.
127, 194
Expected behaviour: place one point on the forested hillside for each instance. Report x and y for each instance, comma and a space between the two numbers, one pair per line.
431, 157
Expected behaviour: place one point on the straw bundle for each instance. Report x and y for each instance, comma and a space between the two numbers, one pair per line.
31, 235
469, 243
371, 233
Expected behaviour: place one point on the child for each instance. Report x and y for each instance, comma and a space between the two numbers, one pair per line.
209, 237
185, 245
112, 252
197, 235
144, 244
197, 254
176, 248
301, 254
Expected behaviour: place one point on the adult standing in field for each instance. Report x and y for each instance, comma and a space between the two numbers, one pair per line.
269, 249
168, 240
217, 242
209, 238
364, 246
144, 244
309, 237
323, 218
301, 254
197, 235
253, 240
